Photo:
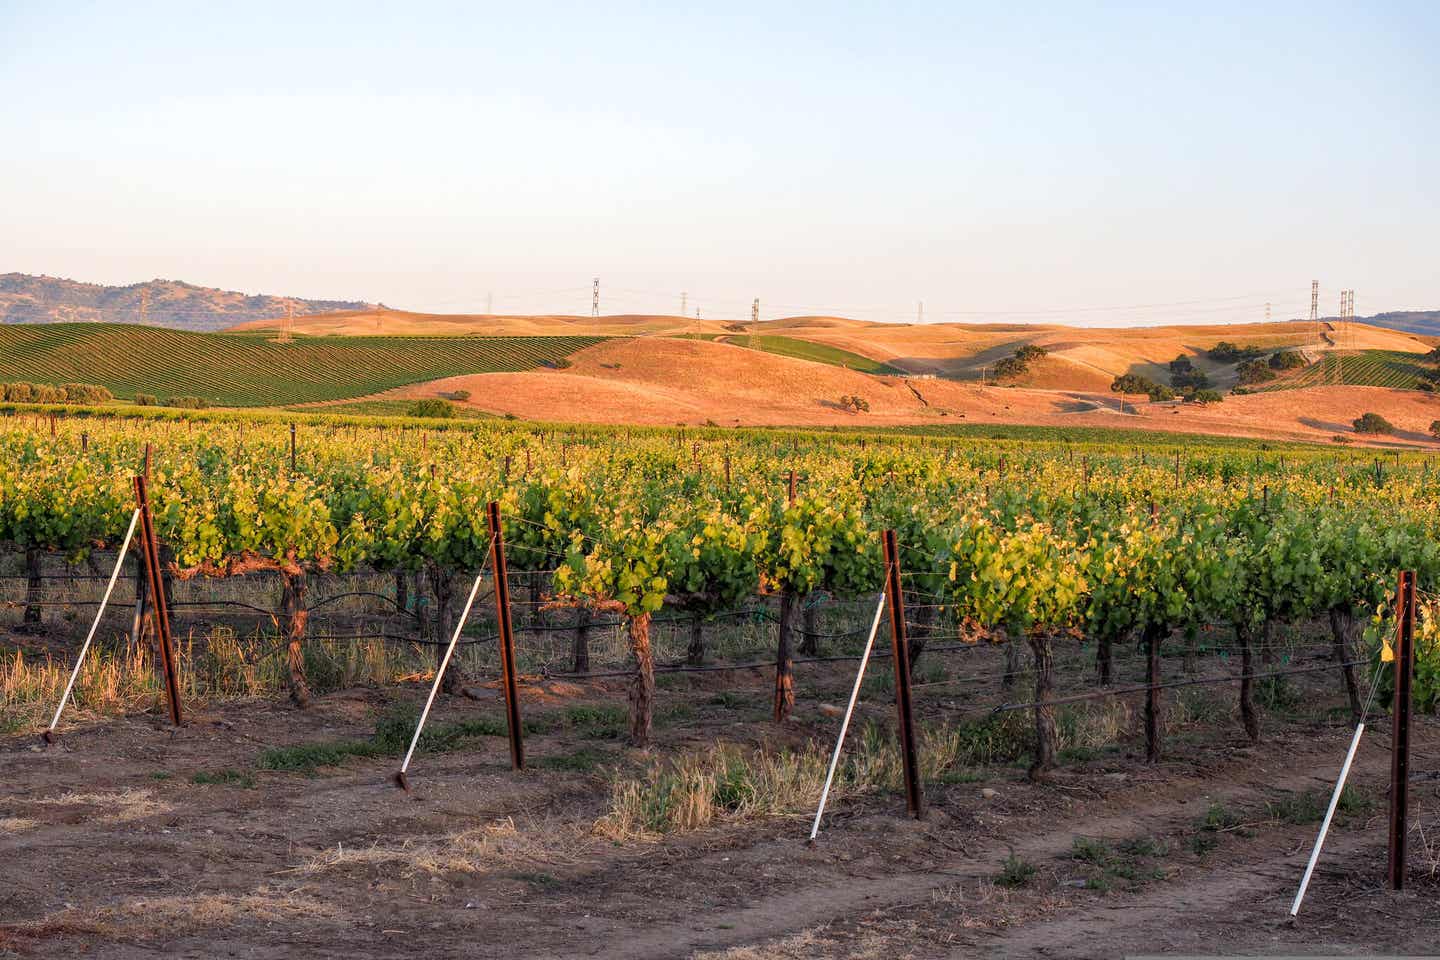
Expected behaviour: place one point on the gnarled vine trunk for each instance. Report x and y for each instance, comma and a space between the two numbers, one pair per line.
402, 591
293, 618
1012, 659
34, 585
1105, 658
442, 587
1341, 619
1152, 636
784, 661
695, 654
920, 631
581, 650
809, 627
1248, 717
1046, 728
642, 684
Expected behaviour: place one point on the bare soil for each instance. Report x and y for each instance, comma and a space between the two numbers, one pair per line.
111, 848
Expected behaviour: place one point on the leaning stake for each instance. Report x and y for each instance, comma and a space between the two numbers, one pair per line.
845, 724
49, 734
400, 779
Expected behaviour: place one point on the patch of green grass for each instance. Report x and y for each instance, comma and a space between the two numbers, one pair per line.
391, 738
800, 350
1015, 873
1297, 809
731, 699
541, 881
584, 760
1090, 850
1128, 864
1219, 817
225, 778
605, 722
161, 775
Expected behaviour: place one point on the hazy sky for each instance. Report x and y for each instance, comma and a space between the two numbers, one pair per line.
1049, 162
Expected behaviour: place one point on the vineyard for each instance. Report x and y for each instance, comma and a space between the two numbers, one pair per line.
1073, 609
801, 350
1367, 368
251, 370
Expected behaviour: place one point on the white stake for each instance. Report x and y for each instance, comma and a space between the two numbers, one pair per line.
80, 659
845, 724
1325, 826
439, 674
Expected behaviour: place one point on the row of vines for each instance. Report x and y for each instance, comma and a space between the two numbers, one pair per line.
1039, 543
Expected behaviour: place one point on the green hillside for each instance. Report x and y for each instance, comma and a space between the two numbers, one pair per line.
1363, 368
248, 370
800, 350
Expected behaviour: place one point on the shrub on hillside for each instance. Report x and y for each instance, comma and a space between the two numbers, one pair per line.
1286, 360
1252, 372
17, 392
1435, 429
146, 400
1188, 380
1181, 364
44, 393
857, 404
1134, 383
1031, 352
1205, 397
458, 395
187, 402
1226, 352
433, 407
1372, 423
1009, 367
86, 393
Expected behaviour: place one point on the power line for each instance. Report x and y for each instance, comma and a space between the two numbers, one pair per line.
595, 298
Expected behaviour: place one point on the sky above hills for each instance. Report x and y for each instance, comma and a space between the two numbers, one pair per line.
1112, 165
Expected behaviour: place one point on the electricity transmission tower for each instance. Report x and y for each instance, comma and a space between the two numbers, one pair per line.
287, 329
683, 307
920, 311
595, 298
754, 319
144, 306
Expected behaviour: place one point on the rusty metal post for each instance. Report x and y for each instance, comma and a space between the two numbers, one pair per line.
1400, 732
792, 488
150, 550
914, 795
507, 639
292, 448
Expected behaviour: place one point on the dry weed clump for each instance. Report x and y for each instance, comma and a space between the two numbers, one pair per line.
727, 783
124, 806
497, 845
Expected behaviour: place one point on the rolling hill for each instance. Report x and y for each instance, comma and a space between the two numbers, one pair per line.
167, 303
249, 370
1079, 357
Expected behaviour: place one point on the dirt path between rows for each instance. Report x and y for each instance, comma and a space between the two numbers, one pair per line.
111, 848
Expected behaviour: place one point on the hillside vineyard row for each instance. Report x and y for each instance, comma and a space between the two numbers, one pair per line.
1036, 541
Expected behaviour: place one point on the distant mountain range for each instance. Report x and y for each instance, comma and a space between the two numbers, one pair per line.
163, 303
1423, 322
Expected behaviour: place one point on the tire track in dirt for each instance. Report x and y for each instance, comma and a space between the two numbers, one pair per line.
837, 898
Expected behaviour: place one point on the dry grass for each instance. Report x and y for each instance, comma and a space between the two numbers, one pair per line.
726, 783
16, 824
495, 846
124, 806
808, 945
220, 666
177, 915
